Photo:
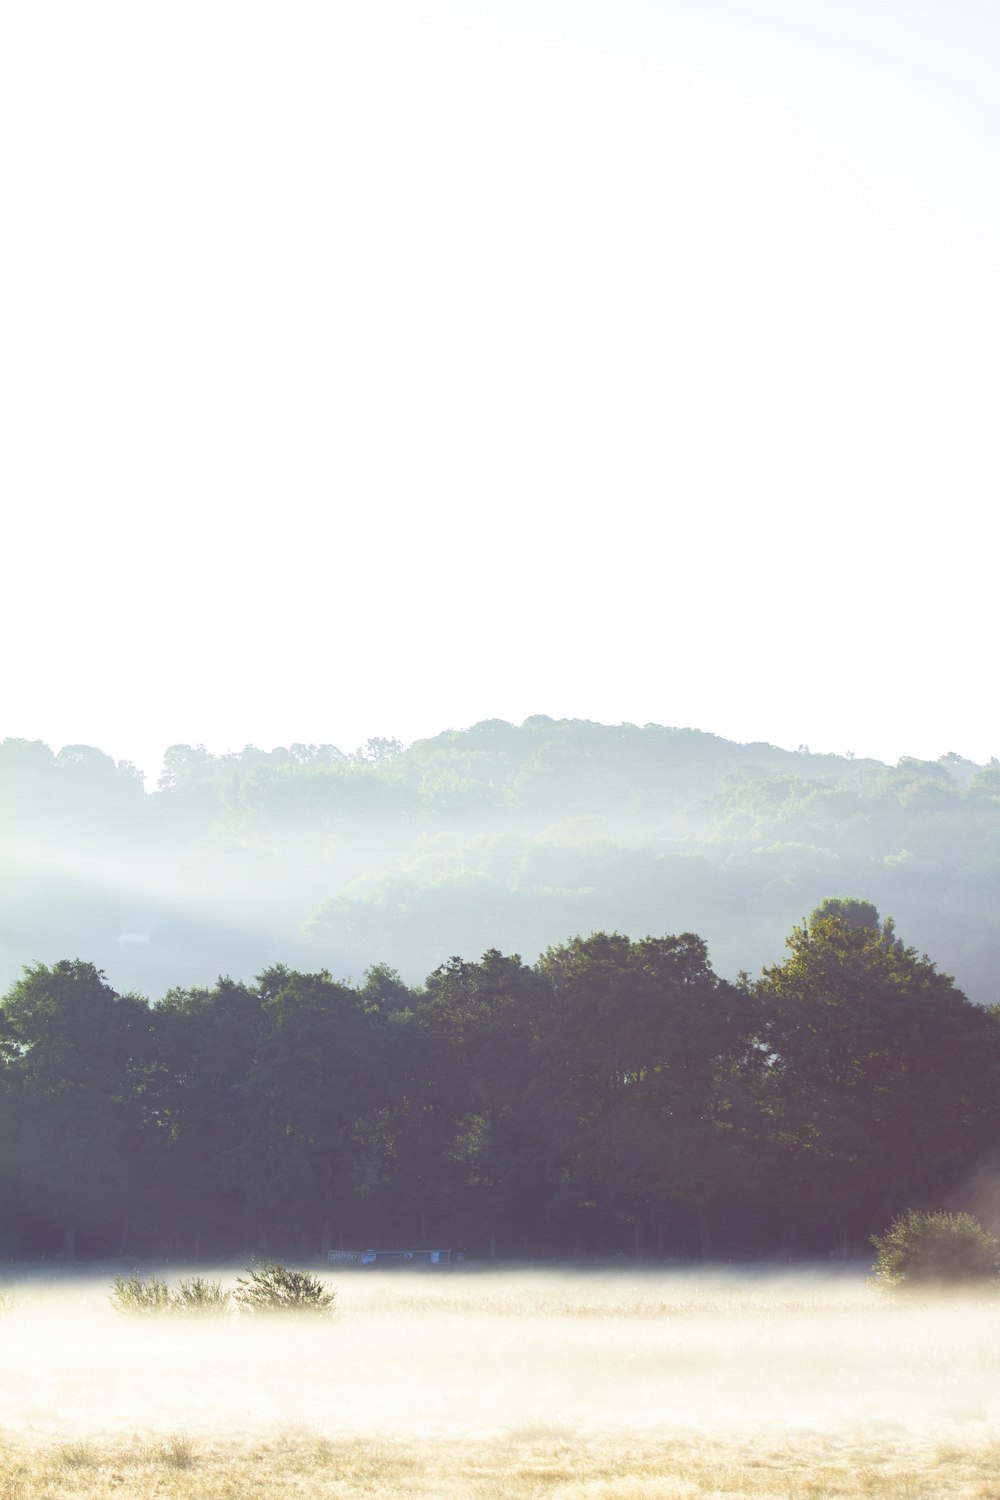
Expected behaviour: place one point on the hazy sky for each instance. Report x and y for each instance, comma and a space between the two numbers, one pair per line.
377, 366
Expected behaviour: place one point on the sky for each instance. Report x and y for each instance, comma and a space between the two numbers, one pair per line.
374, 367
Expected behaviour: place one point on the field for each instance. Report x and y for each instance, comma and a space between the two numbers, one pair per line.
507, 1384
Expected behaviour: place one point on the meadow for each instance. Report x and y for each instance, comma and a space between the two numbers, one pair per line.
490, 1384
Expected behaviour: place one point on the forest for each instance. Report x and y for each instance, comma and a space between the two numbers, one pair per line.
615, 1097
500, 836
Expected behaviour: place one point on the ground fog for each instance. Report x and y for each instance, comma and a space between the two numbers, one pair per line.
489, 1383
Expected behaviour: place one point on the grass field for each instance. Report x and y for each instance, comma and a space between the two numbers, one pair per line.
518, 1384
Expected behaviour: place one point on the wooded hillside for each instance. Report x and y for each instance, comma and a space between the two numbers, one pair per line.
497, 836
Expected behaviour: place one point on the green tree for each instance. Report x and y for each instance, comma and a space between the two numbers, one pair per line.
488, 1017
879, 1086
849, 911
77, 1059
307, 1096
647, 1057
413, 1178
206, 1044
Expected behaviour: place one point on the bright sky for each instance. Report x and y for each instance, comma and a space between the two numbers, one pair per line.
372, 367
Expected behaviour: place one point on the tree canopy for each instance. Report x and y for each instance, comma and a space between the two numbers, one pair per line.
615, 1096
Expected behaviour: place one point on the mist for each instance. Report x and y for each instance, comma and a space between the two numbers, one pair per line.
465, 1364
499, 836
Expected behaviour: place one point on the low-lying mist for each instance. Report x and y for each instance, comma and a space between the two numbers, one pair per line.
743, 1362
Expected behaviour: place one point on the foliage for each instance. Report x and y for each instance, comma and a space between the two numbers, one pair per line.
936, 1249
200, 1298
616, 1096
273, 1288
851, 912
137, 1295
643, 1056
77, 1057
880, 1082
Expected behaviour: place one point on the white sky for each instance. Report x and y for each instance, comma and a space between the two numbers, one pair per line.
372, 367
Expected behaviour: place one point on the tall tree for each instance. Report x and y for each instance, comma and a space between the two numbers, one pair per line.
309, 1090
489, 1015
879, 1084
207, 1040
77, 1059
646, 1059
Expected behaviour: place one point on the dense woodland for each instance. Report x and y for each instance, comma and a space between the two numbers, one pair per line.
500, 836
613, 1097
612, 1094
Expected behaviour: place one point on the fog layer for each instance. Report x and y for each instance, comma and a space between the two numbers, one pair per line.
727, 1359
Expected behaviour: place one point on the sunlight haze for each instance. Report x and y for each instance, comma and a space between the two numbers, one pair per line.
377, 368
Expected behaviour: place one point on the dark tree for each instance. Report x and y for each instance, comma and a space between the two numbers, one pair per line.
646, 1064
879, 1084
77, 1063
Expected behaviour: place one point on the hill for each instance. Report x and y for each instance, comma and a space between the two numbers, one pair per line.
496, 836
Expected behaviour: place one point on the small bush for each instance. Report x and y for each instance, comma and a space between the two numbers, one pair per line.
139, 1296
936, 1249
271, 1288
200, 1297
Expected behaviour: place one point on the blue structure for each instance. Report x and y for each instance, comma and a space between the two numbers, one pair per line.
386, 1259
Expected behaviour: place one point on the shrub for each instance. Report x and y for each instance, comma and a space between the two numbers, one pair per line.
936, 1249
271, 1288
200, 1297
140, 1295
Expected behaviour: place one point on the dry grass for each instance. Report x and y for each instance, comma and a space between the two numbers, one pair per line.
522, 1466
509, 1387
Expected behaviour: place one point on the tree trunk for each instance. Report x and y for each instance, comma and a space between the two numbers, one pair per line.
326, 1229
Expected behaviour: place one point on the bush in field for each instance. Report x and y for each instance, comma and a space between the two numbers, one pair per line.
271, 1288
936, 1249
142, 1295
200, 1297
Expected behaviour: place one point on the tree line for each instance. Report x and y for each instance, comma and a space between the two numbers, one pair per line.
614, 1097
